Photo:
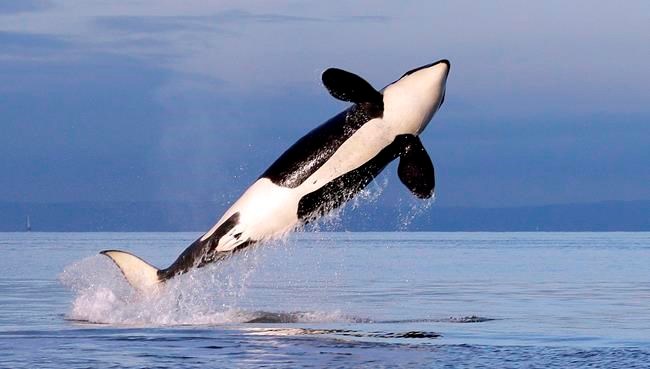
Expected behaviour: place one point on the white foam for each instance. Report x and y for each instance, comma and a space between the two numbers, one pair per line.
214, 295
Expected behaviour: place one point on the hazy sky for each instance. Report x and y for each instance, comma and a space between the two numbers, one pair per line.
547, 102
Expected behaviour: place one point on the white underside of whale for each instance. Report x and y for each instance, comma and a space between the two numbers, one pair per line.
268, 211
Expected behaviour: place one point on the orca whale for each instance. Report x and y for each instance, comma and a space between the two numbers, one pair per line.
322, 170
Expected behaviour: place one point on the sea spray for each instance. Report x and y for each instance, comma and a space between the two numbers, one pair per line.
207, 295
410, 209
371, 193
230, 292
333, 220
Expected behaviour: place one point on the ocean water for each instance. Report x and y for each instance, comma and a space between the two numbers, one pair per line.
437, 300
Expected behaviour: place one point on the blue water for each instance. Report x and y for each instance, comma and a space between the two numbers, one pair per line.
456, 300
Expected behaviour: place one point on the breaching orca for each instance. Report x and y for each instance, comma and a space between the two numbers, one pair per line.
322, 170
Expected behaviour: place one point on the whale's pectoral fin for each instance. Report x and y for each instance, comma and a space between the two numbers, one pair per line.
348, 86
415, 168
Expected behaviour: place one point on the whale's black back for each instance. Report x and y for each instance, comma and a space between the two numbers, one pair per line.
314, 149
344, 187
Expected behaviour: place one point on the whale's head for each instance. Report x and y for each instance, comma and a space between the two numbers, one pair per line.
407, 104
411, 101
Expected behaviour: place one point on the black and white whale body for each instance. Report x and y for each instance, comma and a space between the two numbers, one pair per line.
322, 170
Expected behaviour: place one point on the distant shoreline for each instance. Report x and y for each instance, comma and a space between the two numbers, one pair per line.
607, 216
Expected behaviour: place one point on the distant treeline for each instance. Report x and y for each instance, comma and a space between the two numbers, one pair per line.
173, 216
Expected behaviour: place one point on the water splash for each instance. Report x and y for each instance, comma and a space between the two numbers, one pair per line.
411, 210
203, 296
371, 193
213, 295
333, 220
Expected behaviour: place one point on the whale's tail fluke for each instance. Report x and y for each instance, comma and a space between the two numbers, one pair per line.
140, 274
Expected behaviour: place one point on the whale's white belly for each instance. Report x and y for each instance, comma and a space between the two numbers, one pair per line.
267, 210
357, 150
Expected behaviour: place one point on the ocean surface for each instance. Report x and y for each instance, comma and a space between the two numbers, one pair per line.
412, 300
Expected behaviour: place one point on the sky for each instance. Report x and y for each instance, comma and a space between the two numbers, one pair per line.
546, 103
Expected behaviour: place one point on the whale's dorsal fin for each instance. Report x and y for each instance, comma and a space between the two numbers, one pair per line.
415, 168
347, 86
